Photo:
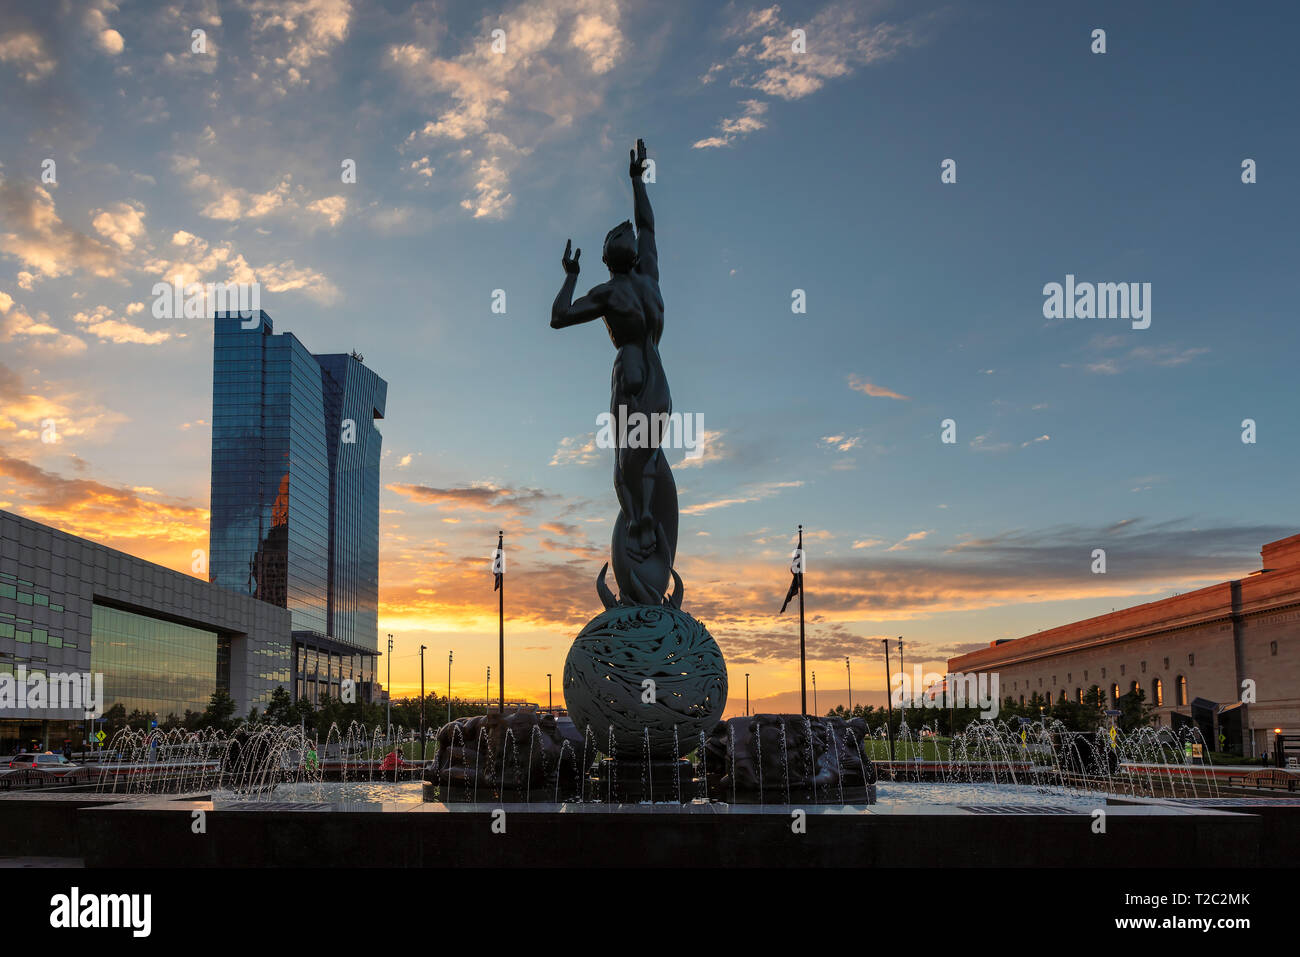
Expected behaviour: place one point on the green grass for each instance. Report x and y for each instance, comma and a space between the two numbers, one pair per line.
931, 749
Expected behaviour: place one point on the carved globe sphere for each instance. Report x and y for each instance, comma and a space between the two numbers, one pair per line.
645, 671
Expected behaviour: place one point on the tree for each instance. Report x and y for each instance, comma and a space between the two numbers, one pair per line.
280, 709
1134, 712
220, 712
115, 719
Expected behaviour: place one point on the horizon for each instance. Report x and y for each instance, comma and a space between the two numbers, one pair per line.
927, 302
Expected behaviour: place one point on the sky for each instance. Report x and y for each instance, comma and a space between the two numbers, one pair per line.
817, 169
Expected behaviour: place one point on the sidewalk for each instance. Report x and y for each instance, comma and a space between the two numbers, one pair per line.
41, 862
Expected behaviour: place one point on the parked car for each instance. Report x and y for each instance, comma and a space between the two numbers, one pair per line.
46, 762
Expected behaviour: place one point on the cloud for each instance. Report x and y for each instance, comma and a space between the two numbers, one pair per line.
26, 50
880, 392
329, 208
904, 543
492, 105
23, 412
1125, 357
841, 443
577, 450
192, 259
291, 35
101, 322
711, 448
121, 224
733, 128
985, 443
140, 523
840, 39
41, 241
106, 39
16, 322
226, 202
751, 493
479, 496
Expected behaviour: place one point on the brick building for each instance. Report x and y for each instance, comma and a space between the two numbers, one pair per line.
1202, 647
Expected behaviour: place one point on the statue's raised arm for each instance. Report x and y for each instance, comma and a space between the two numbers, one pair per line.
647, 254
566, 312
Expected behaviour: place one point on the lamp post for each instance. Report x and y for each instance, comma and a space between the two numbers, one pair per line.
550, 709
889, 705
747, 694
390, 687
487, 691
449, 654
422, 647
952, 708
849, 669
815, 711
902, 670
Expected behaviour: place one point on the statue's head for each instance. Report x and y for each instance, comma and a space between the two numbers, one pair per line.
620, 248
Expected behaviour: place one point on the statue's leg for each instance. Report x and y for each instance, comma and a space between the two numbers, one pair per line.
649, 469
665, 505
637, 475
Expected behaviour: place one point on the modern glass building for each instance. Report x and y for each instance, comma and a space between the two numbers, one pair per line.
164, 641
156, 666
295, 479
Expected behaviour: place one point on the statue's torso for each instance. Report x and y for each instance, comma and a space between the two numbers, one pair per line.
634, 314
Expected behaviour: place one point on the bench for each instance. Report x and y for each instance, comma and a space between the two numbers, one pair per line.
1267, 778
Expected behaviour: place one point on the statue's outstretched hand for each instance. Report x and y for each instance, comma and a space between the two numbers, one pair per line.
570, 263
636, 159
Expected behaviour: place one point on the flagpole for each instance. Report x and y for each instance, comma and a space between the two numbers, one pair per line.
803, 663
501, 627
889, 707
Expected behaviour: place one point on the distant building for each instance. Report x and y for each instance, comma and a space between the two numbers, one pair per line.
164, 641
1193, 655
295, 489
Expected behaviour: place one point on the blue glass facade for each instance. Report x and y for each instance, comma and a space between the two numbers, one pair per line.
354, 397
295, 478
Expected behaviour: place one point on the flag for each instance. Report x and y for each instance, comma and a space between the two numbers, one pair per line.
796, 570
498, 563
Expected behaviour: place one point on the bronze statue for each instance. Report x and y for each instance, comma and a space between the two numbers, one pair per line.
643, 676
644, 543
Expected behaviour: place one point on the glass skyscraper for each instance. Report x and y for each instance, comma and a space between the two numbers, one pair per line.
295, 478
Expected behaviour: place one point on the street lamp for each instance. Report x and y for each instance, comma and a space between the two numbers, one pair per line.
487, 691
849, 669
902, 673
390, 686
449, 654
422, 649
746, 694
815, 711
549, 707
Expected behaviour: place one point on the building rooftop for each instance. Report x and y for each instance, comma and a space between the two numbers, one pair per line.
1275, 585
